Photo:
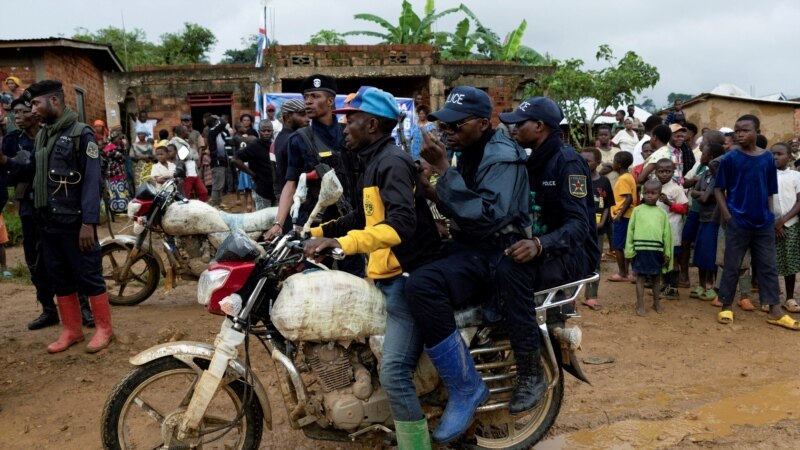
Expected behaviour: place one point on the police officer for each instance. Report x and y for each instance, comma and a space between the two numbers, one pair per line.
66, 197
564, 245
486, 197
320, 143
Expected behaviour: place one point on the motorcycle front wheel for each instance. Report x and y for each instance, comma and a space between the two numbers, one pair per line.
145, 406
500, 430
142, 279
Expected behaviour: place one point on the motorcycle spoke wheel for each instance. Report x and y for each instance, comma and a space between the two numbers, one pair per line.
157, 394
139, 284
500, 430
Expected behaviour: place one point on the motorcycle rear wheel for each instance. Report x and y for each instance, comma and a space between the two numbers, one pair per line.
139, 404
501, 430
142, 280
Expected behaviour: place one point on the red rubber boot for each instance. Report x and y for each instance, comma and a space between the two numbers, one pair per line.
71, 333
102, 322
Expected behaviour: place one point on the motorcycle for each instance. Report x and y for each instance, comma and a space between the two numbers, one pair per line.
322, 331
191, 231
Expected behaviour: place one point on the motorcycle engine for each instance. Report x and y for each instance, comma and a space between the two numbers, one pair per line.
194, 252
345, 378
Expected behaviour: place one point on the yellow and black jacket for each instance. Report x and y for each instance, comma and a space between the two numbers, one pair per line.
394, 226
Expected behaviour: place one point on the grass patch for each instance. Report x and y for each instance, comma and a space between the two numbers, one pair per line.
19, 274
14, 227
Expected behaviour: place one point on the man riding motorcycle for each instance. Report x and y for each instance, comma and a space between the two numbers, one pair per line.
395, 227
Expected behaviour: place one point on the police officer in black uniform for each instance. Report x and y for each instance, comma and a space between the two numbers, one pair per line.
320, 143
564, 244
66, 198
17, 158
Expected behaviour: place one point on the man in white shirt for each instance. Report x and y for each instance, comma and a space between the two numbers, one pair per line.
277, 126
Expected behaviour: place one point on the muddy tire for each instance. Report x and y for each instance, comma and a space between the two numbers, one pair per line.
131, 406
142, 280
529, 428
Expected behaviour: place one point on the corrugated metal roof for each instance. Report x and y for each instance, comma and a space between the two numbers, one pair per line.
105, 49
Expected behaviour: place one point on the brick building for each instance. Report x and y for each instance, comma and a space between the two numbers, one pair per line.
79, 65
404, 70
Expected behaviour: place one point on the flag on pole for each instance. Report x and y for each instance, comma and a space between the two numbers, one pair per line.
263, 41
258, 102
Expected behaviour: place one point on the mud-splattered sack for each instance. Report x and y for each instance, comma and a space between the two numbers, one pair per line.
329, 305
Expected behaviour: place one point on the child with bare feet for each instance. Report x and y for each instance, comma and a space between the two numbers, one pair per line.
649, 245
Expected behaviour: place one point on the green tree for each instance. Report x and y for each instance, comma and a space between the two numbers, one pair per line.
326, 37
676, 96
132, 46
190, 46
409, 29
459, 45
246, 55
616, 84
648, 105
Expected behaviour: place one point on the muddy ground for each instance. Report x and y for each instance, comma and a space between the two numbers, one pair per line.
678, 380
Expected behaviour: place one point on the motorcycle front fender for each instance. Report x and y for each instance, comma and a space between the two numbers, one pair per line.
186, 351
129, 241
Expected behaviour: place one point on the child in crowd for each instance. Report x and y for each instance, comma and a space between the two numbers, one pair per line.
625, 199
647, 150
705, 249
649, 245
603, 201
675, 203
163, 169
607, 153
787, 227
746, 180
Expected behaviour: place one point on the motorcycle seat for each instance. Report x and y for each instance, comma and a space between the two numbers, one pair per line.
260, 220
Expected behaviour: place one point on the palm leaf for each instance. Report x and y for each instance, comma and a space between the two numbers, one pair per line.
513, 41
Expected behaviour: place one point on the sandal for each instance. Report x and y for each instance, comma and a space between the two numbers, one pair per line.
746, 304
765, 308
708, 295
791, 305
592, 304
786, 322
616, 278
725, 317
697, 292
8, 274
716, 302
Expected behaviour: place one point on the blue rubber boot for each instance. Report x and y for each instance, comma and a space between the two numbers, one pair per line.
465, 388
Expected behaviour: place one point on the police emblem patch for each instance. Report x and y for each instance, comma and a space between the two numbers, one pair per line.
577, 185
317, 82
92, 150
368, 208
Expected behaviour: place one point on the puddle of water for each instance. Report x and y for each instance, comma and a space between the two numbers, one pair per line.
767, 405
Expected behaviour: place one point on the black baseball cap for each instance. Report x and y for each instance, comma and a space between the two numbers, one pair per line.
536, 108
463, 102
185, 117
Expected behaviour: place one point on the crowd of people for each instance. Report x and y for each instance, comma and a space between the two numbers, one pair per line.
464, 213
724, 203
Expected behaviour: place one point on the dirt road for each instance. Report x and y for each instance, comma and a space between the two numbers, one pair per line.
678, 380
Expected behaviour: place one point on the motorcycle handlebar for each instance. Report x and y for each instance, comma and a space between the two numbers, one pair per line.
335, 253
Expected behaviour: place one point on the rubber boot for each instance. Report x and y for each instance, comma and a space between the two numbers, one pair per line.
47, 318
86, 312
102, 321
530, 382
465, 388
412, 435
71, 332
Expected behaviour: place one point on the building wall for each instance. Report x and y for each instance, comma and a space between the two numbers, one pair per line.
27, 65
76, 70
778, 122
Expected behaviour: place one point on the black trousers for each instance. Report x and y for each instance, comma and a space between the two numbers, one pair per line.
467, 275
32, 247
69, 270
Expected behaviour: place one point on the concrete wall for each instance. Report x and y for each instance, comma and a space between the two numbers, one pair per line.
779, 122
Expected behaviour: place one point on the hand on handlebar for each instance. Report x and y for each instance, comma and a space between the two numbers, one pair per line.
276, 230
316, 248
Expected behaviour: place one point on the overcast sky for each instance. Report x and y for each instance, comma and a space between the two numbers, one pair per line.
695, 45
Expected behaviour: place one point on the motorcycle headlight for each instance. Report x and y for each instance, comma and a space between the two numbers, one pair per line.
210, 281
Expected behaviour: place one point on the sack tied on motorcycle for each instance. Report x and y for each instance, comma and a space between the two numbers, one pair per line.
327, 306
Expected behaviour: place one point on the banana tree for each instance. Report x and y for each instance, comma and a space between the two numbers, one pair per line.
459, 45
410, 28
510, 49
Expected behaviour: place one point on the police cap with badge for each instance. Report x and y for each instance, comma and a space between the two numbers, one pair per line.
21, 100
318, 82
540, 109
464, 102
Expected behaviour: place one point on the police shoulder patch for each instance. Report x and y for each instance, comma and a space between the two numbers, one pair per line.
577, 185
92, 150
